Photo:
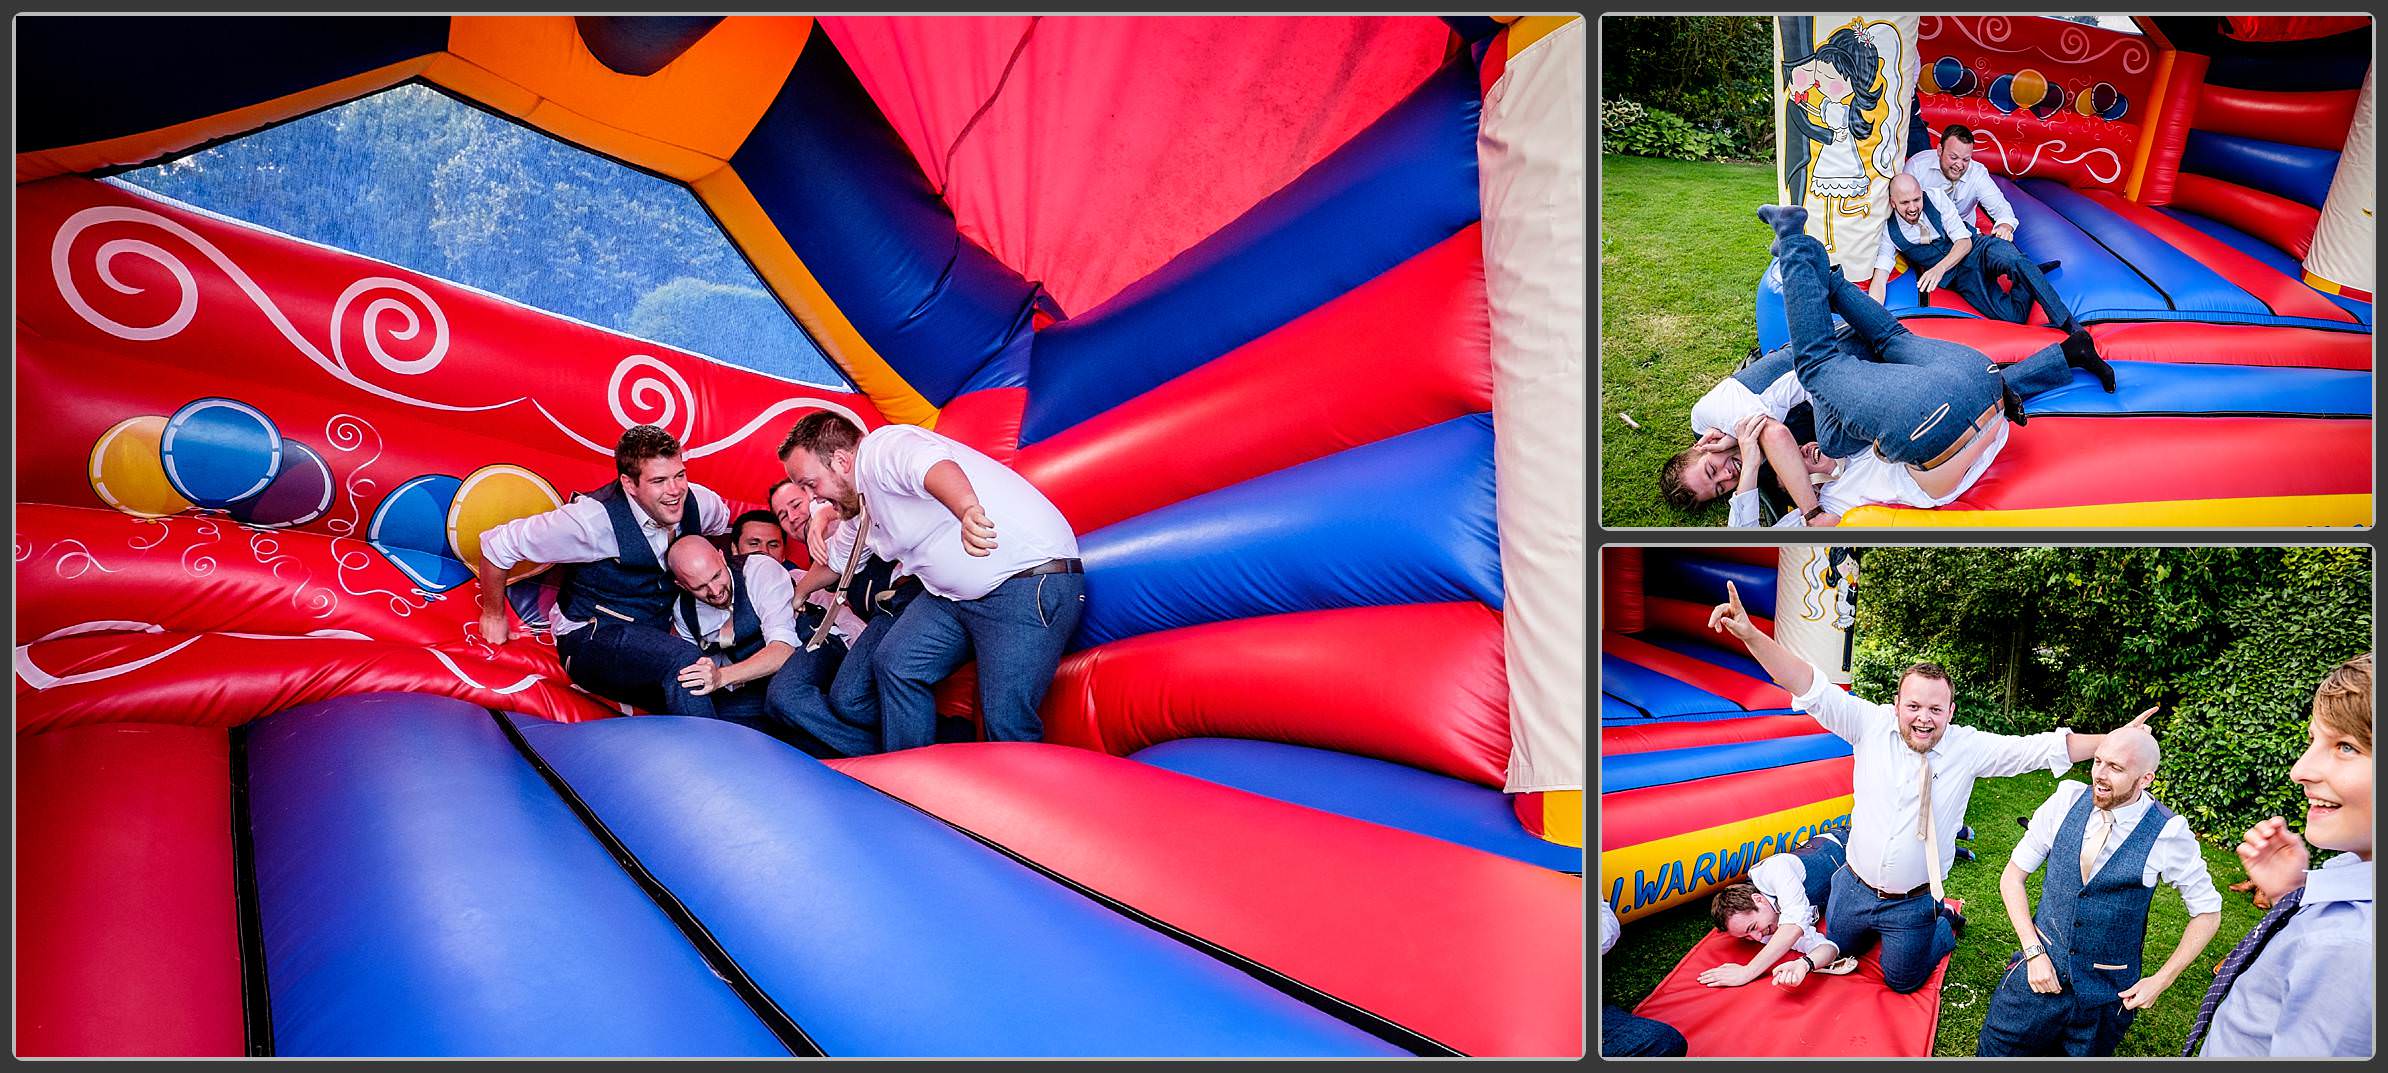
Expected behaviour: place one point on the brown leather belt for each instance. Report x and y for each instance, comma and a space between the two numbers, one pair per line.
1978, 426
1051, 566
1889, 896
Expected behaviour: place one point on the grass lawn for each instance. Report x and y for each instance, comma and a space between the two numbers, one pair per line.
1651, 946
1680, 256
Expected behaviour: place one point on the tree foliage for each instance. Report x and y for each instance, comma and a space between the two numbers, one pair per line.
2231, 641
1704, 83
415, 178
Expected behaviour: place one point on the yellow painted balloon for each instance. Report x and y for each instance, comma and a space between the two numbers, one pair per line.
492, 496
126, 473
2028, 88
2086, 104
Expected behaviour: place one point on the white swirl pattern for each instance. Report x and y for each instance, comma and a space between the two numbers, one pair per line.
2073, 42
2059, 145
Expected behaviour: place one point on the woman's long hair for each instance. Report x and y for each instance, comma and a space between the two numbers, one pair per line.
1853, 54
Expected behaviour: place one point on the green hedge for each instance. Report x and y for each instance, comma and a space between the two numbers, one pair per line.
1688, 88
2232, 641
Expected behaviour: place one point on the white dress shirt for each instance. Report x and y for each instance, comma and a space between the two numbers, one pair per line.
2174, 858
910, 526
1784, 878
1726, 404
581, 532
1887, 775
1974, 188
1866, 478
1608, 925
769, 588
1886, 253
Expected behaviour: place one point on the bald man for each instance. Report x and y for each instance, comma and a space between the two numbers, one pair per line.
2076, 985
739, 615
1943, 250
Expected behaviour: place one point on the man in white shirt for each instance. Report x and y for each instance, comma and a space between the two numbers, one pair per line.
738, 614
1840, 485
612, 620
1943, 249
1949, 171
1912, 775
2080, 987
1011, 595
1776, 908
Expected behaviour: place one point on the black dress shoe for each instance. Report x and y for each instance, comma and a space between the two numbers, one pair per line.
1964, 854
2049, 266
2023, 822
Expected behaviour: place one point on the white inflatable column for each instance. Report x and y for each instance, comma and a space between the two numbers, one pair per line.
1530, 153
2342, 259
1843, 179
1811, 615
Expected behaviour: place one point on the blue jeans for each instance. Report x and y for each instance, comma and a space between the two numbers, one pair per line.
630, 662
1914, 933
1017, 632
1909, 396
1623, 1035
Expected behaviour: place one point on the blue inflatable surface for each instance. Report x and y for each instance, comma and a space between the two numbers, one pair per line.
1663, 767
1364, 788
423, 891
1738, 662
2298, 173
880, 930
2278, 259
1655, 693
1701, 580
2147, 387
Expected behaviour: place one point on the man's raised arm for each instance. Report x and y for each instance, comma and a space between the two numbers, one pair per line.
1788, 671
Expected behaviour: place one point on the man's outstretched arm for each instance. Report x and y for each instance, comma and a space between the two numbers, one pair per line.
1737, 975
1788, 671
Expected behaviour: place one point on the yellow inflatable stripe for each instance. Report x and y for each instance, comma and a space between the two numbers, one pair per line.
1563, 817
1524, 32
748, 226
2352, 509
1646, 878
167, 141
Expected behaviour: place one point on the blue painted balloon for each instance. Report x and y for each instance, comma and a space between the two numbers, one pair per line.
2117, 110
1966, 83
410, 529
218, 452
298, 495
2002, 93
1953, 77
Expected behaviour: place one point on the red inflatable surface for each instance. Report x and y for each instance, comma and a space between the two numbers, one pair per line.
2316, 119
2286, 297
2234, 344
2174, 118
1416, 684
1686, 618
127, 939
1632, 817
2057, 140
1479, 952
1852, 1016
220, 679
2073, 461
1620, 740
1734, 686
1622, 605
1405, 350
2274, 219
2001, 340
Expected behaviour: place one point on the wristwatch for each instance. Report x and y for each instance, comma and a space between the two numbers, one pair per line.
1811, 962
2033, 951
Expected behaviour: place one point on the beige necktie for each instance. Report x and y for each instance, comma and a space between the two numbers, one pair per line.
1923, 830
2104, 822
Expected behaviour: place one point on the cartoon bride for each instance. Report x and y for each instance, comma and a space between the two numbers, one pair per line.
1835, 99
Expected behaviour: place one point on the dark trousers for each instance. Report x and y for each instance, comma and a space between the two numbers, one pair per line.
629, 662
1991, 259
1623, 1035
1913, 932
2022, 1022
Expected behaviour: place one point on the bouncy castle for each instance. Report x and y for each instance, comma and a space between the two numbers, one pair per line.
2204, 185
1705, 770
1704, 767
1284, 314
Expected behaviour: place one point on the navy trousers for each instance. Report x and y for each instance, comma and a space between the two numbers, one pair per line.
1623, 1035
2022, 1022
1913, 933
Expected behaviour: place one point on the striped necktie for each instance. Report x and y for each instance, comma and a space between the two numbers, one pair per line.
2240, 957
